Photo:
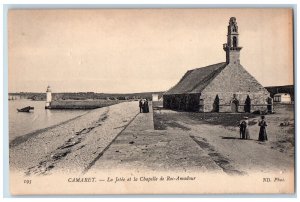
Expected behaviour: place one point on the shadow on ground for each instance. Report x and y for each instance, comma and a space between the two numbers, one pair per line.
231, 138
162, 119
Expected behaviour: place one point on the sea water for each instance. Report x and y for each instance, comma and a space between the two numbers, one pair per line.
22, 123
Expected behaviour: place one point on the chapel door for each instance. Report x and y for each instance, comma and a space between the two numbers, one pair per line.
234, 106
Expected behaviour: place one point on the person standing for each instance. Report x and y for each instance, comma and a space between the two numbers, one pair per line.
244, 131
262, 131
146, 106
141, 105
242, 126
247, 133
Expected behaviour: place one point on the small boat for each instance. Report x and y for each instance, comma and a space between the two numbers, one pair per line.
26, 109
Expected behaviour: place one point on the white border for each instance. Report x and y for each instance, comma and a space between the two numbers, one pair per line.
117, 3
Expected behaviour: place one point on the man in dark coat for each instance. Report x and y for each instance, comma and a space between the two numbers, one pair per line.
141, 105
242, 129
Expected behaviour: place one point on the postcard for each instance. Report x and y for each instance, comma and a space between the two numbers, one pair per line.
151, 101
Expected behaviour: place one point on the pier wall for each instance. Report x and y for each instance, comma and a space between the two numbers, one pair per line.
82, 104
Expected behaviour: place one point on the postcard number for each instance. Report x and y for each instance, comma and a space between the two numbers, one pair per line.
27, 181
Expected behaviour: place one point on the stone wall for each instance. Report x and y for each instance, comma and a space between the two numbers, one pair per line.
185, 102
258, 100
234, 83
233, 56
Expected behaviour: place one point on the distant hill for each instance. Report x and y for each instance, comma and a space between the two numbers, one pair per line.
281, 89
27, 95
123, 96
83, 96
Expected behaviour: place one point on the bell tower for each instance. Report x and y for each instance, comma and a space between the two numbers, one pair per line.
232, 48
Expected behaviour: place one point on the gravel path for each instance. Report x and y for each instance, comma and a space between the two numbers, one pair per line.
189, 145
140, 148
233, 155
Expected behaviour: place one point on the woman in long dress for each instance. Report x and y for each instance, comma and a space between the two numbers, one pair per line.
247, 133
146, 106
262, 131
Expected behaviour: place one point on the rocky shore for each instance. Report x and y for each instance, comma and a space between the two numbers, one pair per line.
72, 146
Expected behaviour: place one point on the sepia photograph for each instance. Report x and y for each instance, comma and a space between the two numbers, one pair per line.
151, 101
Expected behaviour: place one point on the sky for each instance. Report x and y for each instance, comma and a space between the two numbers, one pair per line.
140, 50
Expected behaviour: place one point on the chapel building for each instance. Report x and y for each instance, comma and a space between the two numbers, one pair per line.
222, 87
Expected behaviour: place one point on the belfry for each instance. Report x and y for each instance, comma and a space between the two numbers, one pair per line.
232, 47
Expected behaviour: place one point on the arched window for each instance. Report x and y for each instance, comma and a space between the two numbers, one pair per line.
216, 105
247, 106
234, 105
234, 42
234, 28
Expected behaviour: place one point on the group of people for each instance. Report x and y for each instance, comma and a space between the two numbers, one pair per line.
144, 106
244, 130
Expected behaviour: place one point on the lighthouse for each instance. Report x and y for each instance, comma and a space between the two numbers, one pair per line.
48, 97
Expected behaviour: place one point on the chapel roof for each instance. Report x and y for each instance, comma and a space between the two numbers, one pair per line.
195, 80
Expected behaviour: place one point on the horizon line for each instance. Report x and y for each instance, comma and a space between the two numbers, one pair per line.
126, 92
